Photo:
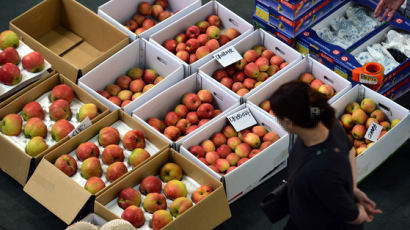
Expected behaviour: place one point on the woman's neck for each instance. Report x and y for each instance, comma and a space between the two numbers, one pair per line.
313, 136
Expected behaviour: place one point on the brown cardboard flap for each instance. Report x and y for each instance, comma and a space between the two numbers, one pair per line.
57, 192
13, 162
82, 55
59, 40
104, 212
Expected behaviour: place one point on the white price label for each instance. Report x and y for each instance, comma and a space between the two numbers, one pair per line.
228, 56
373, 132
82, 126
242, 119
366, 79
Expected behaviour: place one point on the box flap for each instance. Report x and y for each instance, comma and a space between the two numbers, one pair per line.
57, 192
82, 55
59, 40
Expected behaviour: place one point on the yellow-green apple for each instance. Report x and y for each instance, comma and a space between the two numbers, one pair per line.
347, 120
205, 110
254, 152
147, 87
219, 74
264, 145
240, 65
250, 55
203, 38
315, 84
35, 146
60, 109
379, 115
129, 196
160, 219
150, 184
172, 132
243, 150
91, 167
222, 164
86, 150
158, 80
197, 151
112, 153
133, 139
125, 94
171, 118
150, 75
181, 110
214, 20
131, 25
272, 70
134, 215
191, 129
181, 38
11, 124
327, 90
369, 122
183, 55
232, 159
360, 150
211, 157
32, 109
265, 105
179, 206
243, 133
33, 62
192, 32
394, 122
164, 15
170, 171
136, 95
8, 39
148, 23
259, 130
213, 32
223, 150
66, 164
62, 91
227, 82
94, 185
232, 33
138, 156
35, 127
191, 101
192, 45
202, 25
262, 75
115, 171
208, 146
11, 55
144, 8
201, 192
359, 116
242, 160
87, 110
251, 70
156, 123
276, 60
306, 77
259, 49
135, 73
233, 142
283, 65
223, 39
112, 89
370, 144
229, 131
174, 189
218, 139
386, 125
154, 201
61, 129
212, 44
156, 10
352, 106
238, 77
368, 105
10, 74
236, 86
183, 125
358, 131
108, 135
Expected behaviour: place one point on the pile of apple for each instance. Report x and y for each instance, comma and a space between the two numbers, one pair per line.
314, 83
129, 87
10, 73
257, 65
33, 115
147, 14
155, 198
229, 149
200, 40
357, 120
196, 109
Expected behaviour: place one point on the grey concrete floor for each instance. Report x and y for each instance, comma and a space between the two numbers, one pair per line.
389, 185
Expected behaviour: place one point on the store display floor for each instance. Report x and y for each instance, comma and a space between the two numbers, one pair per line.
388, 185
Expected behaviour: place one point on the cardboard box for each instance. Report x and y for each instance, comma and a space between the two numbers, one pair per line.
207, 214
293, 27
246, 176
260, 24
310, 65
347, 62
257, 37
117, 12
228, 20
371, 158
71, 37
139, 53
61, 194
308, 42
398, 89
13, 159
291, 9
165, 102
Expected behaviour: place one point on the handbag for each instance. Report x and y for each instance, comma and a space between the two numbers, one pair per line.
275, 204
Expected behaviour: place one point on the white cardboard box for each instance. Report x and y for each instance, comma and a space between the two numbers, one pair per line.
117, 12
228, 20
139, 53
258, 37
318, 70
165, 102
252, 172
390, 142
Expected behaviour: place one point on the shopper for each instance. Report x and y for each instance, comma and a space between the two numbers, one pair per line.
322, 193
389, 8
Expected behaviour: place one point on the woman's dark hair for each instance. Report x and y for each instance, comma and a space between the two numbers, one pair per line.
303, 105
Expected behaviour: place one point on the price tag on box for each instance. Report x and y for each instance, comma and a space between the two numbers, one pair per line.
242, 119
82, 126
373, 132
228, 56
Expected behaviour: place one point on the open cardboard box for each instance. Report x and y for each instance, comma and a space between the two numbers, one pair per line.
206, 214
319, 71
61, 194
258, 23
260, 167
71, 37
139, 53
13, 159
257, 37
371, 158
117, 12
228, 20
165, 102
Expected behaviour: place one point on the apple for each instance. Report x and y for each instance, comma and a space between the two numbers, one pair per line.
191, 129
200, 193
316, 84
223, 39
156, 10
250, 55
112, 153
242, 160
86, 150
160, 219
394, 122
62, 91
212, 44
149, 76
233, 142
66, 164
205, 110
202, 51
192, 45
262, 63
115, 171
230, 169
172, 132
368, 105
259, 130
236, 86
134, 215
183, 125
243, 150
264, 145
179, 206
252, 139
140, 30
218, 139
251, 70
197, 151
243, 133
213, 168
213, 32
382, 133
255, 152
229, 131
108, 135
192, 58
359, 116
154, 201
11, 124
369, 122
158, 80
113, 89
347, 121
138, 156
202, 25
205, 96
164, 15
208, 146
181, 38
358, 131
240, 65
352, 106
306, 77
283, 65
272, 70
11, 55
276, 60
171, 118
227, 82
327, 90
378, 115
232, 159
191, 101
135, 73
174, 189
203, 39
223, 150
144, 8
232, 33
35, 146
133, 139
60, 109
268, 54
61, 129
150, 184
193, 31
10, 74
8, 39
265, 105
94, 185
211, 157
91, 167
170, 171
131, 25
219, 74
35, 127
127, 197
214, 20
386, 125
32, 109
147, 87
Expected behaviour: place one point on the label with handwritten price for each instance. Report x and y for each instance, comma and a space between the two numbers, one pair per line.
242, 119
373, 132
228, 56
81, 127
